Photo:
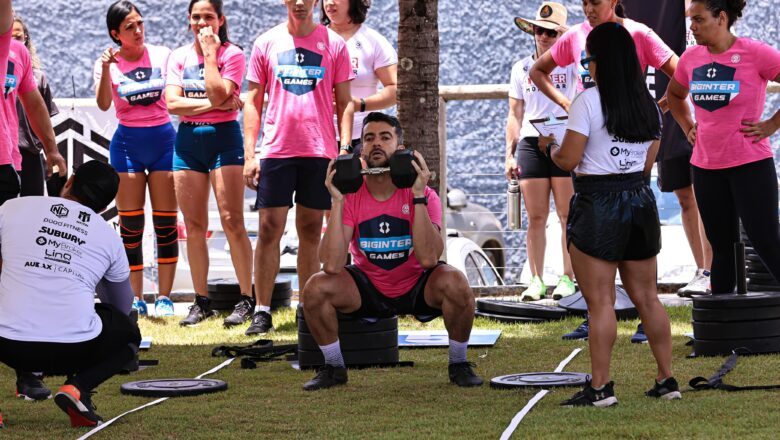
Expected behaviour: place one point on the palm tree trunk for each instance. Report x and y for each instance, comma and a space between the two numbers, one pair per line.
418, 81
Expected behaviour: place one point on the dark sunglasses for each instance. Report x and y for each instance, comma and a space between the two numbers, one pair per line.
585, 62
551, 33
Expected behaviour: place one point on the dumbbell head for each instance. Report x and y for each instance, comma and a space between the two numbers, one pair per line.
348, 178
402, 173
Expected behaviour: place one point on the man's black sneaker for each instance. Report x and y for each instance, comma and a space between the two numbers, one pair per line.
580, 332
78, 406
326, 377
669, 390
462, 375
30, 387
199, 311
639, 337
261, 324
241, 313
589, 397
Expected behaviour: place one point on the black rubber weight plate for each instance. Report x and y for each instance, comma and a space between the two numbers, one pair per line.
223, 306
357, 325
736, 330
624, 308
731, 315
754, 277
539, 380
281, 294
731, 301
724, 347
515, 308
509, 319
230, 285
388, 355
354, 341
221, 296
173, 387
280, 303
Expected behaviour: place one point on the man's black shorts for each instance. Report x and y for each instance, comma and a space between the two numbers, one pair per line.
373, 304
675, 173
304, 176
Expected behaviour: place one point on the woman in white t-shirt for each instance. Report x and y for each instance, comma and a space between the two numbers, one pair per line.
373, 58
536, 172
611, 142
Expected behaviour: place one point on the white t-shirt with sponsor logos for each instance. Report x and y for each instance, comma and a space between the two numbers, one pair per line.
604, 153
55, 251
537, 104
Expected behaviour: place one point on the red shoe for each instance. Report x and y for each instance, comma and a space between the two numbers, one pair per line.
78, 406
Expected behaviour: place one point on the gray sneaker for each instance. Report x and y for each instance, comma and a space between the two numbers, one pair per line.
699, 285
199, 311
241, 313
261, 324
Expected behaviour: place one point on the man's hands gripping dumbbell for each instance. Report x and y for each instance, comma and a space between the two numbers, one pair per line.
345, 173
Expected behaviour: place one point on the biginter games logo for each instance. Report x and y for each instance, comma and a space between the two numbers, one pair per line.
713, 86
299, 70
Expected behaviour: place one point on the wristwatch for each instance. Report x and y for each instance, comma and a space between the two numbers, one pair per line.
348, 148
420, 200
362, 105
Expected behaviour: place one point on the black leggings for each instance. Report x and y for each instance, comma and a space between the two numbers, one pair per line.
87, 363
748, 193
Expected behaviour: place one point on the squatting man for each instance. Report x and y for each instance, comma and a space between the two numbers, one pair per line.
394, 237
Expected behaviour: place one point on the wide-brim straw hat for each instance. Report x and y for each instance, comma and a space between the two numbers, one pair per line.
551, 15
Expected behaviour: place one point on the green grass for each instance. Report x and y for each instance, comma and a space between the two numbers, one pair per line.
418, 402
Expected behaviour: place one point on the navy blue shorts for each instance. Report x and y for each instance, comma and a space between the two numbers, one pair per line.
206, 147
304, 176
141, 149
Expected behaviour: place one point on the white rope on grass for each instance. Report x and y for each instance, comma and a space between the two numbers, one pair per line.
147, 405
534, 400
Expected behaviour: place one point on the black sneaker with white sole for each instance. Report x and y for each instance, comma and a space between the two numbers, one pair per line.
261, 324
591, 397
199, 311
462, 375
668, 390
241, 313
326, 377
30, 387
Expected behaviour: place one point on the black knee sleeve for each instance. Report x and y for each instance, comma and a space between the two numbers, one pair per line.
167, 236
131, 226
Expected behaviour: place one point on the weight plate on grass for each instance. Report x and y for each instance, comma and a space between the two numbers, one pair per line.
731, 301
173, 387
222, 306
724, 347
221, 296
736, 330
230, 285
509, 319
731, 315
278, 304
624, 308
387, 355
352, 325
354, 341
281, 294
539, 380
516, 308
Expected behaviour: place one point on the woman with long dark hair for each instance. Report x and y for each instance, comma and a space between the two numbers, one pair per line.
733, 163
611, 142
141, 150
538, 176
204, 82
374, 60
33, 171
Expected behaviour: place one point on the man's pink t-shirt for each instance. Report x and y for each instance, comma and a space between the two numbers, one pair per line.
138, 87
570, 48
19, 79
186, 70
299, 74
6, 145
382, 239
726, 89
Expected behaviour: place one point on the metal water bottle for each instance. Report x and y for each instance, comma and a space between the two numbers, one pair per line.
513, 217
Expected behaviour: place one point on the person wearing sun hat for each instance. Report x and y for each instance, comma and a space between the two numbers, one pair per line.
524, 162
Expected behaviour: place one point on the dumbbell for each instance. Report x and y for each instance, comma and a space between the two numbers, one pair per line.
349, 171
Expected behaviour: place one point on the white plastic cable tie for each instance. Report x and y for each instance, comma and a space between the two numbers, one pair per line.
147, 405
531, 403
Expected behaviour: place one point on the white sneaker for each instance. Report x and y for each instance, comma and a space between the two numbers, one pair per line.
699, 285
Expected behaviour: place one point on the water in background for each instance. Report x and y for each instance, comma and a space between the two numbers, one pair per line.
479, 44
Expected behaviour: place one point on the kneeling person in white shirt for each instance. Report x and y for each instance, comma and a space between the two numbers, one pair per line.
56, 253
